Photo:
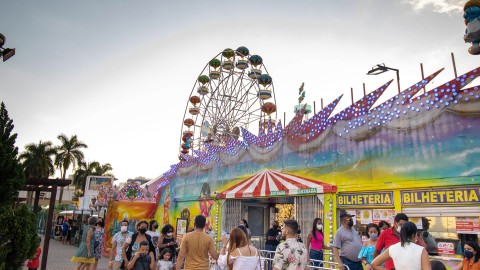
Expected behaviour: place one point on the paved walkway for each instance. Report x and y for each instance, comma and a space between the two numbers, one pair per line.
59, 256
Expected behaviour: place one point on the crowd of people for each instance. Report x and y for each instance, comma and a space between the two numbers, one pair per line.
385, 247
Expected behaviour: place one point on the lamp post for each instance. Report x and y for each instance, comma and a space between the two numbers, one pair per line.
381, 68
5, 53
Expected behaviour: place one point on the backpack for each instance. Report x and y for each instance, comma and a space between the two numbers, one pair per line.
151, 248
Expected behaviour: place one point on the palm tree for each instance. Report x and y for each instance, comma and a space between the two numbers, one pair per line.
69, 154
37, 161
91, 168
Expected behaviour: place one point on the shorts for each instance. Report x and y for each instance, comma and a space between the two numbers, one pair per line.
64, 233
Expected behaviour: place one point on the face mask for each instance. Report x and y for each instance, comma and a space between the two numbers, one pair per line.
373, 236
468, 254
142, 231
319, 227
399, 228
169, 234
350, 223
123, 228
101, 224
156, 226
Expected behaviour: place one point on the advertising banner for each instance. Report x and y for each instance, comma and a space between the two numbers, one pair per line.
383, 214
181, 227
468, 225
446, 248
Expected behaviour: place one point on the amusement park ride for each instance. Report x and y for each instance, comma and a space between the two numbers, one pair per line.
233, 91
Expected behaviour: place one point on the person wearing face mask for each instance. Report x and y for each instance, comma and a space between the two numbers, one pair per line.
347, 244
245, 223
315, 242
132, 244
117, 243
471, 257
366, 253
166, 240
272, 237
389, 237
405, 254
383, 225
98, 242
152, 231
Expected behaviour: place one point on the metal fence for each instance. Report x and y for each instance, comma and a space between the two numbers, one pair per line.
267, 261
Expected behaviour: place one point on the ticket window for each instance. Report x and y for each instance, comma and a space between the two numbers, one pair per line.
440, 235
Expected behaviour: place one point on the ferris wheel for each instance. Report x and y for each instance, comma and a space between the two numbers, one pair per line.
233, 90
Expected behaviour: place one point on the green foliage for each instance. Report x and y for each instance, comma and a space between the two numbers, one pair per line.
11, 172
69, 153
37, 160
62, 207
18, 235
92, 168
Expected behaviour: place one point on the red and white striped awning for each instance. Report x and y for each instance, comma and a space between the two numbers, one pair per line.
271, 184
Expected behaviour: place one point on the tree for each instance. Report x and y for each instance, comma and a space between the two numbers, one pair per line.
69, 153
37, 160
18, 234
91, 168
11, 171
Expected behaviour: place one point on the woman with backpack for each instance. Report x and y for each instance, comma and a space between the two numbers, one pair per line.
132, 244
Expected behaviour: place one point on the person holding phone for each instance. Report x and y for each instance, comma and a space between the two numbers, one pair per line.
143, 259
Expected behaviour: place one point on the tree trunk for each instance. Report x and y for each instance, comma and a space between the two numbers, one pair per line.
60, 196
29, 198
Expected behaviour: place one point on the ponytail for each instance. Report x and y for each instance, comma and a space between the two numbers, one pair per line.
408, 231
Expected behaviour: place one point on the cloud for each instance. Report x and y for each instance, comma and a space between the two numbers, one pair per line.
439, 6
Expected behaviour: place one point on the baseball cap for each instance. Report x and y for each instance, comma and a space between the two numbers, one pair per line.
345, 214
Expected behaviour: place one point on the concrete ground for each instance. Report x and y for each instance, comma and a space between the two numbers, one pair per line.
59, 256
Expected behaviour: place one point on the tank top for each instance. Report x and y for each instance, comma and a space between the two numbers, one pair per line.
241, 262
169, 240
317, 243
407, 257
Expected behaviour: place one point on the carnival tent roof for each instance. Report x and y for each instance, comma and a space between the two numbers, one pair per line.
271, 183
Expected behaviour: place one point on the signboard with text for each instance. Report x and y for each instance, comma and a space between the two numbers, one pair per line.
379, 198
446, 248
468, 225
441, 196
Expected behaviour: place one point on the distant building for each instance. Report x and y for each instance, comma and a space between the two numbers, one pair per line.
140, 180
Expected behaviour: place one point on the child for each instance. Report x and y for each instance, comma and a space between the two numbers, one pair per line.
143, 260
165, 262
34, 263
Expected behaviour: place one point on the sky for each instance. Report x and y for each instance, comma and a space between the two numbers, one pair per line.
118, 74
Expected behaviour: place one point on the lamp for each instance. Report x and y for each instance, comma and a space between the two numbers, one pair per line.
6, 53
381, 68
